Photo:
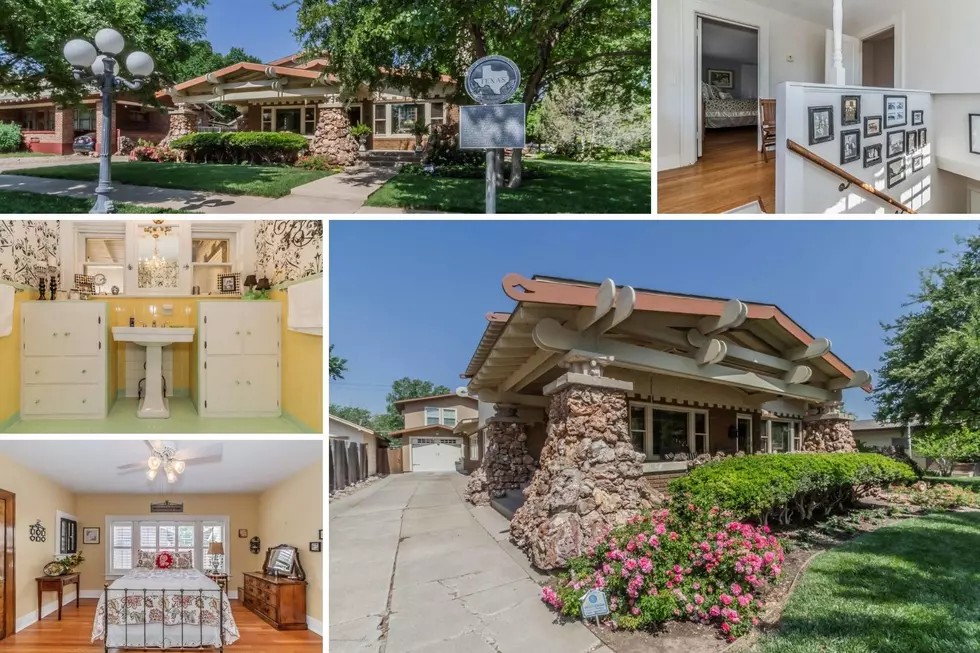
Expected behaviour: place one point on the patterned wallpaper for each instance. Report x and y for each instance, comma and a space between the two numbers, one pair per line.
293, 248
24, 244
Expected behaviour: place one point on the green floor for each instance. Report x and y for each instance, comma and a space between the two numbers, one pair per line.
183, 419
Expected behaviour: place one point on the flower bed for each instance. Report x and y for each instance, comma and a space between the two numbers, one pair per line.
936, 496
706, 568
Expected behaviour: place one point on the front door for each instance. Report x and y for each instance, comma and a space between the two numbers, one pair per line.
354, 115
7, 586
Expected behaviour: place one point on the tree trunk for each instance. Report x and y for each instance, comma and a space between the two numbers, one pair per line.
516, 168
498, 161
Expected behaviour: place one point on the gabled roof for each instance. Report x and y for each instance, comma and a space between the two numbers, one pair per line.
363, 429
401, 403
246, 66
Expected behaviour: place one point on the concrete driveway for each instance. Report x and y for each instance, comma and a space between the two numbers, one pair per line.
413, 568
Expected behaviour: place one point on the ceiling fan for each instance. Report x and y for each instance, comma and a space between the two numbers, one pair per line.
165, 457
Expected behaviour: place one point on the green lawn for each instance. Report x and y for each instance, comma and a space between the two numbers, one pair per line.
562, 187
264, 181
971, 483
12, 201
909, 588
14, 155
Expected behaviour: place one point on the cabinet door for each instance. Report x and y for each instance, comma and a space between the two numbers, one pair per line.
82, 330
42, 331
261, 377
224, 385
223, 328
260, 328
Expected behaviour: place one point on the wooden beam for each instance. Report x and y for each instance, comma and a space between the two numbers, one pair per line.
625, 303
799, 374
815, 349
732, 316
860, 379
497, 397
743, 354
551, 336
712, 352
534, 367
605, 297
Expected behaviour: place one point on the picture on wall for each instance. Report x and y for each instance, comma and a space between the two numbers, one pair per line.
821, 125
975, 133
721, 78
872, 126
850, 146
896, 143
918, 117
850, 108
916, 163
896, 111
896, 172
923, 138
911, 141
872, 155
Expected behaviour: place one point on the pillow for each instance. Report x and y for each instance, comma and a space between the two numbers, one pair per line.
164, 560
709, 92
145, 559
722, 95
184, 560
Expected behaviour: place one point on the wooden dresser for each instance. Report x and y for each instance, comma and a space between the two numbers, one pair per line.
280, 602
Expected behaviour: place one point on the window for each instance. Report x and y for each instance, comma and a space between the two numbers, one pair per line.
39, 120
106, 256
67, 534
782, 436
431, 416
403, 116
638, 428
122, 547
166, 536
435, 415
380, 119
744, 430
288, 120
449, 416
266, 119
137, 116
309, 120
436, 113
212, 532
661, 432
209, 258
131, 534
475, 446
84, 120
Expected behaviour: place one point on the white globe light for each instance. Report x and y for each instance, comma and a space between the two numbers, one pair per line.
171, 477
98, 66
80, 53
153, 463
151, 474
109, 41
139, 63
179, 466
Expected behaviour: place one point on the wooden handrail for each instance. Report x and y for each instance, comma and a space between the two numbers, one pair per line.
851, 180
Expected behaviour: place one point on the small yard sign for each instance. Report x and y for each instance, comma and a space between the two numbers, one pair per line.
488, 127
594, 604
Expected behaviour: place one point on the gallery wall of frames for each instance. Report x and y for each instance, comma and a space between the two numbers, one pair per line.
881, 137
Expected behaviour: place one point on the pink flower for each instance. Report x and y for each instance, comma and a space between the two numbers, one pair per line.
724, 598
725, 628
635, 610
689, 608
744, 600
698, 599
660, 529
755, 621
736, 589
714, 611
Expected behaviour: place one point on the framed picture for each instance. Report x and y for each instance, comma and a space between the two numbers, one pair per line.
896, 143
896, 111
872, 126
911, 141
850, 110
822, 125
975, 133
918, 117
850, 146
242, 532
90, 535
721, 78
315, 547
320, 534
896, 171
916, 163
229, 284
872, 155
923, 138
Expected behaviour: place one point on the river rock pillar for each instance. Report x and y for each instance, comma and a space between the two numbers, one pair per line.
590, 478
828, 430
507, 465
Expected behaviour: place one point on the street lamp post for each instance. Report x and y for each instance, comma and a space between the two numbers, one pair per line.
100, 59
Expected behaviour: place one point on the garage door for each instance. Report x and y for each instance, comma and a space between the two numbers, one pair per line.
436, 454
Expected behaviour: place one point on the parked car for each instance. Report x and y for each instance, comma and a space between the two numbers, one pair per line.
84, 144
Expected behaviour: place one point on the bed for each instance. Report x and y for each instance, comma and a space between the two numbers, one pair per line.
721, 110
153, 609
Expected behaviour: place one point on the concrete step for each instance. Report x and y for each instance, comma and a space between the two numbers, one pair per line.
389, 159
508, 504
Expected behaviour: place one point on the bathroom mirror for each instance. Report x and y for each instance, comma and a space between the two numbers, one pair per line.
159, 248
283, 560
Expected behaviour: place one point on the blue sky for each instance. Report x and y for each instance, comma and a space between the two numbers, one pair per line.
253, 25
408, 298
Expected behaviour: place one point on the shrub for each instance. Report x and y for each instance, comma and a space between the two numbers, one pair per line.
11, 138
316, 163
238, 147
360, 129
785, 486
937, 496
707, 569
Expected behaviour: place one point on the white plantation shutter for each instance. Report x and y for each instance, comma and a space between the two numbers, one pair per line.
122, 546
148, 536
192, 534
168, 538
212, 532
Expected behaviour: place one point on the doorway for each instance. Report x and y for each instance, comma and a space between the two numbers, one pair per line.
8, 588
728, 88
878, 59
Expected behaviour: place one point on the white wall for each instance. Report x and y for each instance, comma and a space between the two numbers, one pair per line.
803, 187
960, 169
781, 36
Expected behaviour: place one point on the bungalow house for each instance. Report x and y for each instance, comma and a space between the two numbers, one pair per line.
295, 95
347, 431
430, 442
602, 394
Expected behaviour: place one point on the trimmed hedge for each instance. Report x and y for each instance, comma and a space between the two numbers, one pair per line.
785, 486
239, 147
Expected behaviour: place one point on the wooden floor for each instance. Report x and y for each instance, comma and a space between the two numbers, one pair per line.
73, 634
730, 174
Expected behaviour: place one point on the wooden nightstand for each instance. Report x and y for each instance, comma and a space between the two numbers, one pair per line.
221, 580
57, 584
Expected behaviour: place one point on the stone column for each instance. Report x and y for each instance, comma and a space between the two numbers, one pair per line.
333, 139
590, 478
183, 121
828, 430
507, 465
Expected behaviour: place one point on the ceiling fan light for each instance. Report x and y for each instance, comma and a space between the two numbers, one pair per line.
179, 466
151, 474
171, 477
153, 463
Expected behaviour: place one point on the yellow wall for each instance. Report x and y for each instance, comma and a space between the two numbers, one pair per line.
302, 372
38, 497
292, 513
242, 511
10, 363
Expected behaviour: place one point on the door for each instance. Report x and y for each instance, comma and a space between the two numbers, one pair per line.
222, 328
435, 454
700, 136
82, 330
42, 332
260, 328
260, 374
224, 385
851, 49
7, 585
744, 430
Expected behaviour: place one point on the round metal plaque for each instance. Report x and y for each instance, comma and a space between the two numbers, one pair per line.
492, 79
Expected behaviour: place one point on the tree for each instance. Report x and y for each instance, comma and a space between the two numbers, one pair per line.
359, 416
33, 33
410, 43
337, 367
947, 446
930, 372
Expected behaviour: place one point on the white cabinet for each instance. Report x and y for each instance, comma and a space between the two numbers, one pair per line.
239, 365
64, 347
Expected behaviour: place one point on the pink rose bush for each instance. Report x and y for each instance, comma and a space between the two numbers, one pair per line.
711, 570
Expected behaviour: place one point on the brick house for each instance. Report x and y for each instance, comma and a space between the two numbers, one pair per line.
611, 392
50, 128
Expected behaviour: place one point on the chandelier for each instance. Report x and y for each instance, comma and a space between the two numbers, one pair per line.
163, 458
157, 263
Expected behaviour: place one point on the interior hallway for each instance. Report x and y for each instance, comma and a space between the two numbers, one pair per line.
730, 174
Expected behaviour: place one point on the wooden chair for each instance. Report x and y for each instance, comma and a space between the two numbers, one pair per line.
768, 126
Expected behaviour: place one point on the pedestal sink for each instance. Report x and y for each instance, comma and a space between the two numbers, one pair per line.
154, 404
